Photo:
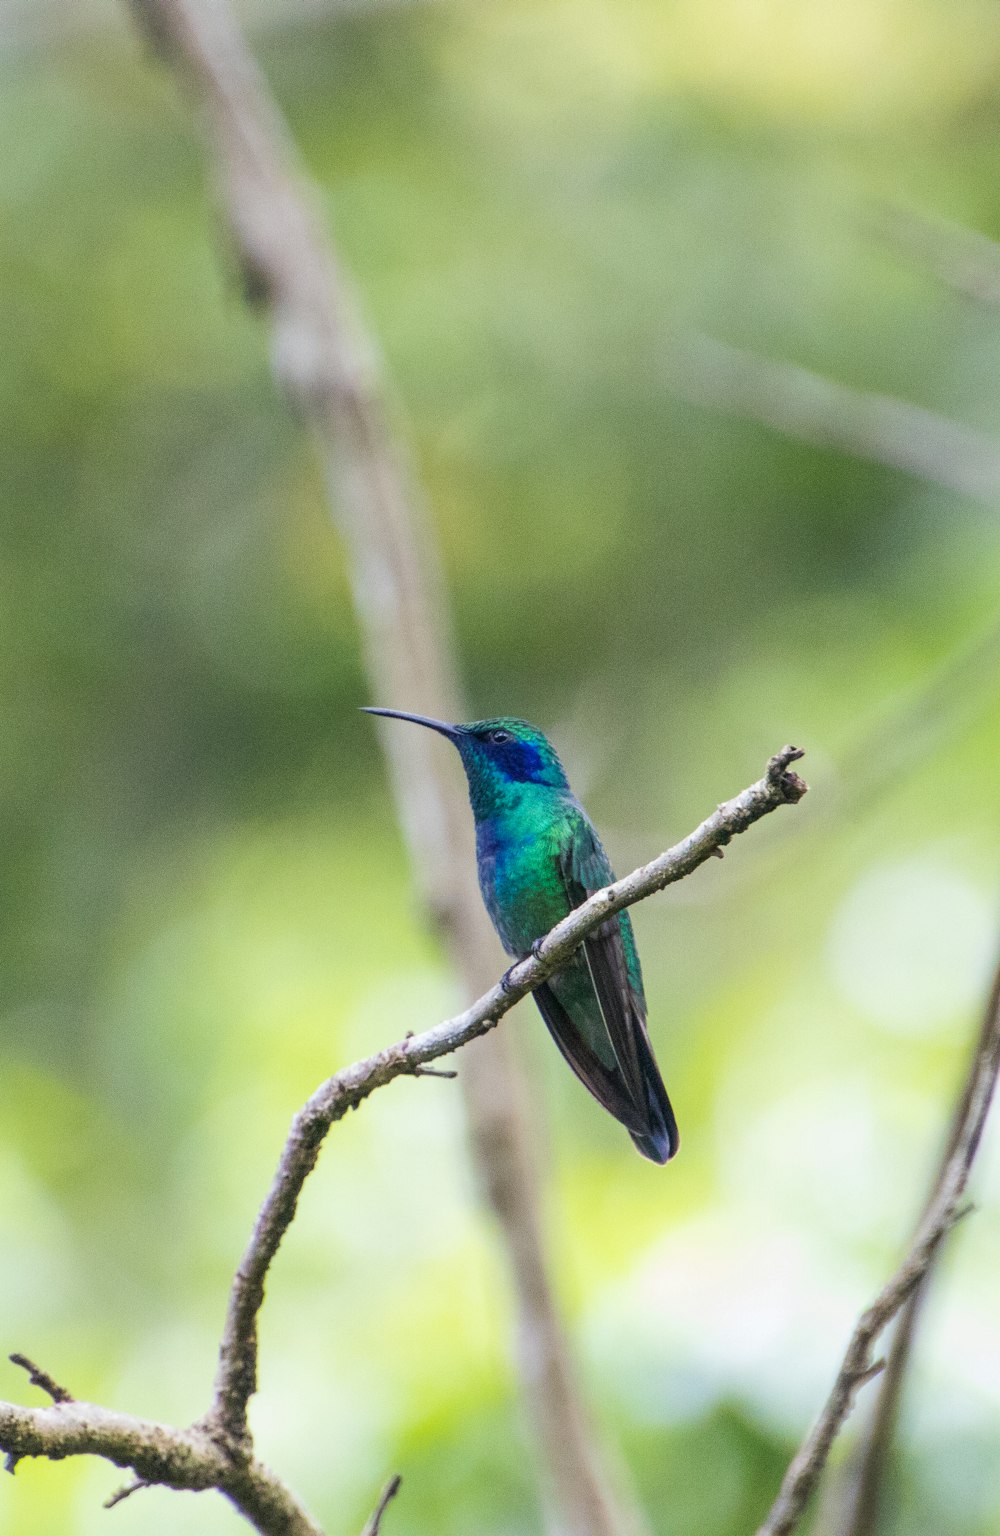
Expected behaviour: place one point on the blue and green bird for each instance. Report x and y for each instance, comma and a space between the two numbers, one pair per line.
539, 857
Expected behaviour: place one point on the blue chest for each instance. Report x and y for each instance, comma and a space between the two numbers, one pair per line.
520, 877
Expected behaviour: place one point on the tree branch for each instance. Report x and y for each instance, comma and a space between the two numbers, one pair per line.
157, 1453
963, 259
818, 410
942, 1211
866, 1476
208, 1454
236, 1380
327, 364
42, 1379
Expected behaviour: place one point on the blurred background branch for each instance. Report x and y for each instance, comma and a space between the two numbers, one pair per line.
942, 1210
326, 363
203, 895
804, 404
965, 260
857, 1502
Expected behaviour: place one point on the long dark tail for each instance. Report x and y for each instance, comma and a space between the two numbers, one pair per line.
650, 1123
661, 1140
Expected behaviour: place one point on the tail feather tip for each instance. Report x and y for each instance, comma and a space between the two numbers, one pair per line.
657, 1144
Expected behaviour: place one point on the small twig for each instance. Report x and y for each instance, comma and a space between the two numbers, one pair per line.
869, 1374
433, 1072
944, 1208
389, 1492
125, 1492
42, 1379
38, 1378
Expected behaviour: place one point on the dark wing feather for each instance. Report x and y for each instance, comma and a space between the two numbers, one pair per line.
585, 869
606, 1086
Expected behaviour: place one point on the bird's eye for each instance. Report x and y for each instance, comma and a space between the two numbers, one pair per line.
499, 737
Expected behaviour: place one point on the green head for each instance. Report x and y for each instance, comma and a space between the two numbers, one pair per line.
497, 756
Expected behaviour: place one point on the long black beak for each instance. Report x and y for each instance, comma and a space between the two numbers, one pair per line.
440, 726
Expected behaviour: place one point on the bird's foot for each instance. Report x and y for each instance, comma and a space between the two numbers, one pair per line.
506, 985
506, 982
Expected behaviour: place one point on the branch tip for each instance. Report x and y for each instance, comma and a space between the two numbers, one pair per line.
125, 1492
386, 1497
41, 1379
778, 775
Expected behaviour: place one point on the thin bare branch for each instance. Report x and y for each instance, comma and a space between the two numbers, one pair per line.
207, 1455
327, 364
942, 1211
40, 1378
237, 1376
865, 1476
389, 1492
963, 259
156, 1453
818, 410
125, 1492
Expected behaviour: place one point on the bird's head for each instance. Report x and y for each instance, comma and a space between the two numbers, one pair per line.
496, 754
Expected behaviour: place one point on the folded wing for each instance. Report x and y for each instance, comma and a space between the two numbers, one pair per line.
617, 1065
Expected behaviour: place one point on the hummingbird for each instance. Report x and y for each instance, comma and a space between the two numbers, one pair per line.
538, 857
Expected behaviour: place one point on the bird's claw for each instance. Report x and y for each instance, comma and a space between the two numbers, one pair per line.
506, 985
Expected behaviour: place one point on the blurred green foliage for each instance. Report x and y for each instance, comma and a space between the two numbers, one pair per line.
203, 908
